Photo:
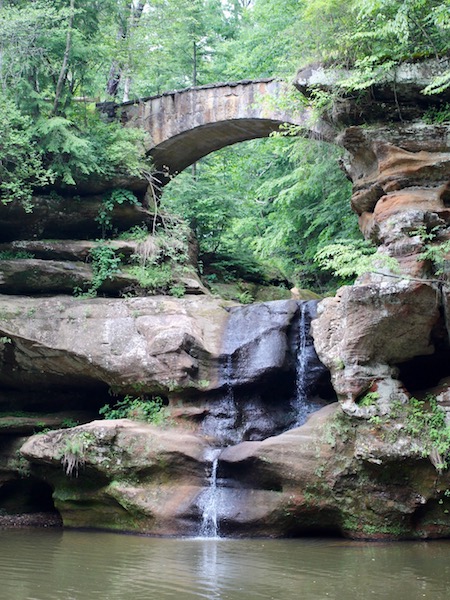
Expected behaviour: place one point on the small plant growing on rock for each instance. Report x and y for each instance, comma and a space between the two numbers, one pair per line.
105, 265
15, 255
137, 408
424, 421
435, 249
369, 399
177, 290
74, 453
109, 202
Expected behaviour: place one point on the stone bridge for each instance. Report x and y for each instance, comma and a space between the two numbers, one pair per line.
186, 125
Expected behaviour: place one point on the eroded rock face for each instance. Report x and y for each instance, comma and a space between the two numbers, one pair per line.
370, 330
400, 186
333, 474
366, 329
122, 475
154, 345
337, 474
70, 217
157, 343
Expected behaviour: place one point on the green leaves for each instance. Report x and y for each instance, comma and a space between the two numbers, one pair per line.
350, 258
73, 153
137, 408
110, 200
266, 206
21, 166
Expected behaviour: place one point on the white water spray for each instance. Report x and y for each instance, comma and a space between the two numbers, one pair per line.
209, 501
301, 396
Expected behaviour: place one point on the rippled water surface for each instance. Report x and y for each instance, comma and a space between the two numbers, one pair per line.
66, 565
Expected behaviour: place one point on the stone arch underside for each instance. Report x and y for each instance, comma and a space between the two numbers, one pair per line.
179, 152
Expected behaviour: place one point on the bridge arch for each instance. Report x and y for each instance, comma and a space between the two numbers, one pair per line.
187, 125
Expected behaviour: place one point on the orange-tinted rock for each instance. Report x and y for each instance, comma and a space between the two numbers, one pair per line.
408, 199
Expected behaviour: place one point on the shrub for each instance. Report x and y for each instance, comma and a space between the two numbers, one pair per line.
137, 408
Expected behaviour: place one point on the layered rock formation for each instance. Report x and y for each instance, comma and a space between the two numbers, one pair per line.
332, 475
373, 465
369, 333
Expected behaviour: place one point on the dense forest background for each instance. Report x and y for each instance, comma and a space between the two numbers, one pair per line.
261, 210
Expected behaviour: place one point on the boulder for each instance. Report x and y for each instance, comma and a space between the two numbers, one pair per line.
148, 345
367, 329
333, 474
122, 475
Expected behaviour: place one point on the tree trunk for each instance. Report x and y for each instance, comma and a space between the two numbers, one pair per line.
125, 31
65, 65
194, 64
115, 73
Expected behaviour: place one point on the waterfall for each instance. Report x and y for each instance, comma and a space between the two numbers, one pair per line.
308, 368
301, 397
270, 381
209, 501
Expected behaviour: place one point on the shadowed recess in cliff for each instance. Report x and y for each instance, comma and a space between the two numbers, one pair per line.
429, 373
271, 376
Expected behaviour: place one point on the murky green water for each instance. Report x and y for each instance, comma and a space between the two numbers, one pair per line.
71, 565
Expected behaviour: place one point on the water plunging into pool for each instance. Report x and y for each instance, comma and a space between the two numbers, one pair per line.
209, 501
269, 367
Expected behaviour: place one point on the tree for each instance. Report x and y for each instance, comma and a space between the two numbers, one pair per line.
21, 165
267, 206
128, 16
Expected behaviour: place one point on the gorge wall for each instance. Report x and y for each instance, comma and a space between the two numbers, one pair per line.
237, 382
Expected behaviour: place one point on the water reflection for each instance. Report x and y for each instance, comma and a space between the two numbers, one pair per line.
50, 565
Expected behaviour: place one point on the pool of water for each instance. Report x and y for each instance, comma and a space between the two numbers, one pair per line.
74, 565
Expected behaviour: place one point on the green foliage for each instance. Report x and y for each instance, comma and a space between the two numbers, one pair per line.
73, 454
110, 201
438, 116
137, 408
154, 277
435, 250
15, 254
21, 165
68, 423
350, 258
138, 233
162, 258
75, 152
425, 421
369, 399
105, 265
245, 297
177, 290
261, 210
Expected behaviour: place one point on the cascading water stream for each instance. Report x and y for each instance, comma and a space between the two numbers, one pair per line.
268, 384
301, 397
209, 501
